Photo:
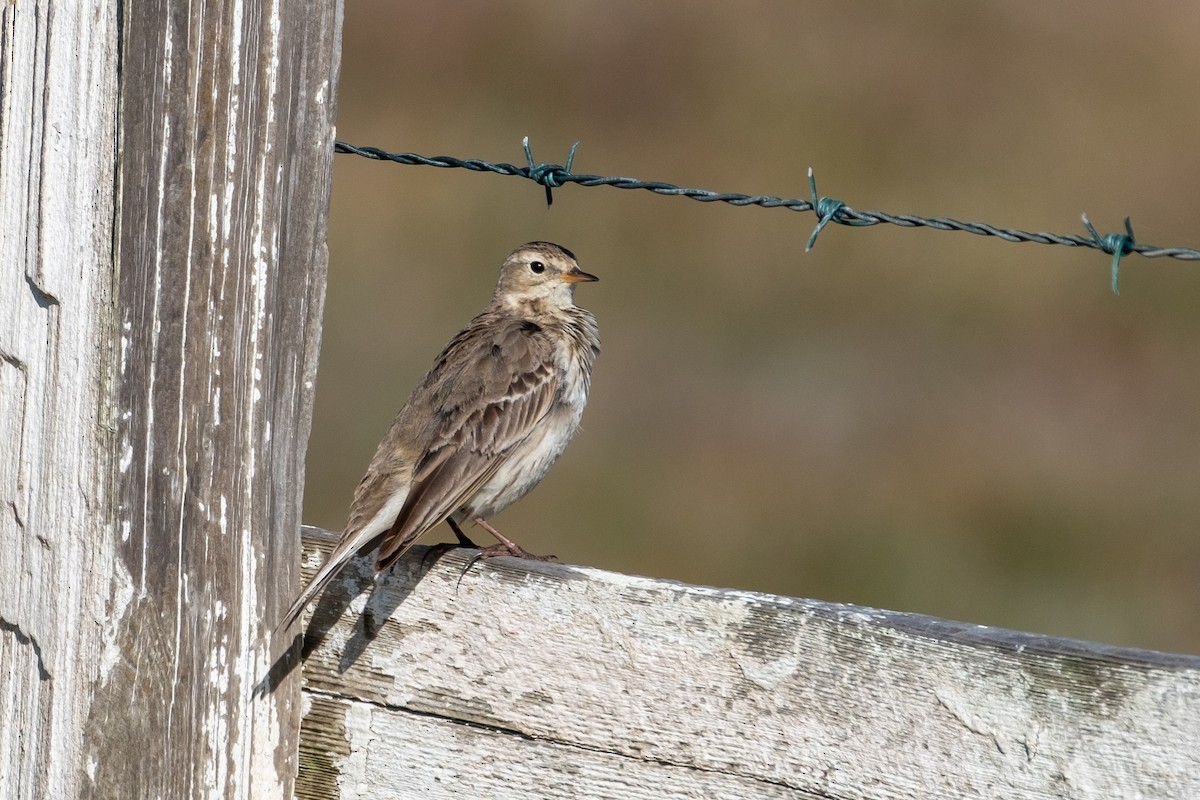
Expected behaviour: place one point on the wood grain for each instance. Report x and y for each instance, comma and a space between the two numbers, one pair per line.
164, 180
58, 110
227, 131
520, 679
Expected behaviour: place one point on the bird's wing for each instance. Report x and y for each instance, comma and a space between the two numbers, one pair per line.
488, 399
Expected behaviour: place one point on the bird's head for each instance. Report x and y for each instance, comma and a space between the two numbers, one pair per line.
540, 273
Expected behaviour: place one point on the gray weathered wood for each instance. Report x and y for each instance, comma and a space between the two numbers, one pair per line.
543, 680
58, 109
162, 267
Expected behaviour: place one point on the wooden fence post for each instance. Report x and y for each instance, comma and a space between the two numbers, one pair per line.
164, 181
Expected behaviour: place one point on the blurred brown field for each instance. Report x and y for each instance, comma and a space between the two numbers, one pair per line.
915, 420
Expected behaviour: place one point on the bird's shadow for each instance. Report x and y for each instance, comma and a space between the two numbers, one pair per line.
388, 591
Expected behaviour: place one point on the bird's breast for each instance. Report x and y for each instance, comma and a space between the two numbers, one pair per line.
528, 461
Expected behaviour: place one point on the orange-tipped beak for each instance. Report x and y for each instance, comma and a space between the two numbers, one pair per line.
578, 276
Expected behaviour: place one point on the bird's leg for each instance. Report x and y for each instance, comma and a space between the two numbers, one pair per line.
463, 540
441, 548
507, 547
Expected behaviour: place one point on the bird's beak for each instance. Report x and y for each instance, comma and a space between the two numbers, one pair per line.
577, 275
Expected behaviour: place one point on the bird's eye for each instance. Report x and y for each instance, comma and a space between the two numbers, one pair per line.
537, 267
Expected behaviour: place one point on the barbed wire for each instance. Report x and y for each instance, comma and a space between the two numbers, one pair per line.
827, 209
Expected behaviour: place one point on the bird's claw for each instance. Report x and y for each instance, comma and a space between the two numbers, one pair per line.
514, 550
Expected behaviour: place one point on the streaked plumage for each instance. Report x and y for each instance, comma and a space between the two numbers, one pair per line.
487, 421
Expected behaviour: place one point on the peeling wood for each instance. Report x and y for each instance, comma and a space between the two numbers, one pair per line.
522, 679
159, 327
226, 174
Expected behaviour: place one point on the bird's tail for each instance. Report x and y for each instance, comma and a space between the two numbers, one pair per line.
348, 546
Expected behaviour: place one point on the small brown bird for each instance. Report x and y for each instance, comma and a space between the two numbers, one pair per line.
486, 422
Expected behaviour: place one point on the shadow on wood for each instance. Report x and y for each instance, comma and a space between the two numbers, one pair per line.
524, 679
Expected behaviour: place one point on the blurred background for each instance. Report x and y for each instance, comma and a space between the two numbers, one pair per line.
914, 420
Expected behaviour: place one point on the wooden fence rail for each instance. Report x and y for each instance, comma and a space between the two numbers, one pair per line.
528, 680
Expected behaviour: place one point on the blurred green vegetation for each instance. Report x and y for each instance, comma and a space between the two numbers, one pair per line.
914, 420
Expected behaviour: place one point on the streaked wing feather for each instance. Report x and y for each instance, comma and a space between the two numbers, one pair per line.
507, 386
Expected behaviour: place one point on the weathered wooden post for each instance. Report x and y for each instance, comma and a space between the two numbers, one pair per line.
164, 180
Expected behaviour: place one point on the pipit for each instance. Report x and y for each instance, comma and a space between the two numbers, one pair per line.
486, 422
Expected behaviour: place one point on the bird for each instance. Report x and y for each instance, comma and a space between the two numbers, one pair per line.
484, 425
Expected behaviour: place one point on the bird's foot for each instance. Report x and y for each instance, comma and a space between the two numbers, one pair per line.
436, 551
506, 546
512, 549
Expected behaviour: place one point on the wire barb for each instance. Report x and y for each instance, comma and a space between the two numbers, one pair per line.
551, 176
827, 209
1116, 244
